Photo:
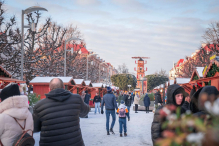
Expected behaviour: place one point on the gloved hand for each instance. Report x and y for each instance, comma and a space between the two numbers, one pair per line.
128, 119
102, 112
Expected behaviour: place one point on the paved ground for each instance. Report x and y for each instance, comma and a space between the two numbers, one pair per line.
94, 131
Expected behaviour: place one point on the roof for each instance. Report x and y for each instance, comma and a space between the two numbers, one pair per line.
87, 83
182, 80
179, 62
199, 71
48, 79
5, 71
99, 85
79, 81
171, 82
76, 47
6, 79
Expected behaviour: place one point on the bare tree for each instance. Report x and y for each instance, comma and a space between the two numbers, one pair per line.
211, 35
123, 69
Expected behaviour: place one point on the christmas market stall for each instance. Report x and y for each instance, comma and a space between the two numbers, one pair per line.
6, 78
78, 87
210, 74
41, 84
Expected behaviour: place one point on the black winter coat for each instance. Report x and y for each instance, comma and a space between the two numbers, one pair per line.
158, 98
156, 124
87, 98
128, 100
57, 117
97, 99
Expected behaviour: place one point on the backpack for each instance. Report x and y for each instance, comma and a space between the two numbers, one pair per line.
24, 139
122, 113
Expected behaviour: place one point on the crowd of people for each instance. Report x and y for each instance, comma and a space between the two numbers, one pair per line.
57, 116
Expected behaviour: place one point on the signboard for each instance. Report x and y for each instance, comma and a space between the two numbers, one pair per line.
204, 70
213, 57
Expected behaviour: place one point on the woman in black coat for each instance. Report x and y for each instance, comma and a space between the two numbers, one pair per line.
147, 103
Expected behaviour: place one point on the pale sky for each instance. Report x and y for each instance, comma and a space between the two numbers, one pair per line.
164, 30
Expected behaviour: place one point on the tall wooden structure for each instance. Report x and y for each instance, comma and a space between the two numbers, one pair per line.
141, 69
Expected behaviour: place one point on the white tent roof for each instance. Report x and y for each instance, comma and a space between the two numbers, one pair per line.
161, 86
200, 70
182, 80
87, 82
97, 85
171, 82
78, 81
48, 79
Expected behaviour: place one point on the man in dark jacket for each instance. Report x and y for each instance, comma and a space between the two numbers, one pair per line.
57, 116
158, 99
176, 96
147, 102
110, 106
87, 97
128, 101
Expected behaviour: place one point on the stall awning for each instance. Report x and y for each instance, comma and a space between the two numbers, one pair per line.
10, 80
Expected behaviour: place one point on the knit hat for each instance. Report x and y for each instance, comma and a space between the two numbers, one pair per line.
9, 91
122, 102
109, 89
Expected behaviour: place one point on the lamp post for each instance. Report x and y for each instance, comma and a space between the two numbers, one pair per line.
99, 69
32, 26
142, 83
70, 39
87, 65
129, 87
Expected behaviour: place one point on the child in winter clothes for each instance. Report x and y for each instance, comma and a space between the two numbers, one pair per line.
123, 112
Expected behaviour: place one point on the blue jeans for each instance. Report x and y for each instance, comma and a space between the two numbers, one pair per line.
122, 122
128, 107
113, 114
97, 105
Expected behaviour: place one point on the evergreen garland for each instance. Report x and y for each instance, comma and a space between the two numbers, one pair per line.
213, 70
195, 77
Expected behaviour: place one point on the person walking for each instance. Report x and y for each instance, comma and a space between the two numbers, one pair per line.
97, 100
158, 100
86, 99
128, 101
147, 102
109, 100
123, 113
57, 116
136, 102
14, 114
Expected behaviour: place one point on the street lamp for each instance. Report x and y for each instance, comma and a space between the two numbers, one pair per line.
87, 65
99, 69
129, 87
32, 26
142, 83
70, 39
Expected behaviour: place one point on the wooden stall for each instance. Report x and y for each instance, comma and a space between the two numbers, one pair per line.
41, 84
5, 78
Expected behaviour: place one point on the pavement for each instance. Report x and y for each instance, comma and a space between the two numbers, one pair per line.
94, 130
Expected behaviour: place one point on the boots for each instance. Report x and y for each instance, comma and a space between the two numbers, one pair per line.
108, 133
125, 134
111, 130
120, 134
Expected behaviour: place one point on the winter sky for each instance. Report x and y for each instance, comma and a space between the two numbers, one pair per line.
164, 30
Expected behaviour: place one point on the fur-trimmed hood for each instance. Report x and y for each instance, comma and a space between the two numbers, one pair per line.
15, 106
